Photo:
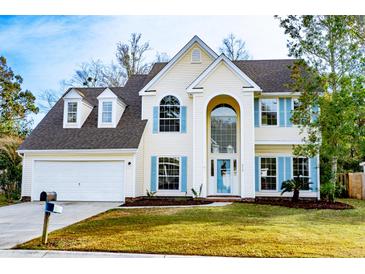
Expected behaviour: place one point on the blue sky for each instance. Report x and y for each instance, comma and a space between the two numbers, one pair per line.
46, 49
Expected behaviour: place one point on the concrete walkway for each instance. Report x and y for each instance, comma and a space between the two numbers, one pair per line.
22, 222
76, 254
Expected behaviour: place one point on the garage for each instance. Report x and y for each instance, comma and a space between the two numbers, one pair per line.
79, 180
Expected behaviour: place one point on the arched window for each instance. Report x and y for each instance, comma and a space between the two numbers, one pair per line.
223, 129
169, 114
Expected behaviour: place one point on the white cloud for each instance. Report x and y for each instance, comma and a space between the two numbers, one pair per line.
47, 49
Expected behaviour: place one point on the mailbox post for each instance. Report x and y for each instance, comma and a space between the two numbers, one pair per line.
48, 209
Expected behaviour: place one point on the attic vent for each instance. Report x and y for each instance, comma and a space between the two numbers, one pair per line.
195, 56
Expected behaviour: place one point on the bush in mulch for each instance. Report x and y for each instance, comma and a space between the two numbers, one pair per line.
306, 204
165, 202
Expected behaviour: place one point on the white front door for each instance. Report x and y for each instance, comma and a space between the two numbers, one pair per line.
79, 180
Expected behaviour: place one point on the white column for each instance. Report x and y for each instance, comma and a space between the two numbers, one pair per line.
199, 144
247, 146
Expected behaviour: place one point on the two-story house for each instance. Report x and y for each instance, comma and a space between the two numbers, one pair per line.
199, 119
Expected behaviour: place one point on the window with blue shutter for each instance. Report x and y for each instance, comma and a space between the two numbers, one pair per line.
153, 173
257, 173
288, 103
183, 119
315, 113
257, 112
282, 112
155, 120
281, 172
314, 174
184, 173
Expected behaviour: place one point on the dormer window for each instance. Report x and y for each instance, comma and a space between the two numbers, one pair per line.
110, 109
76, 109
107, 112
71, 112
196, 56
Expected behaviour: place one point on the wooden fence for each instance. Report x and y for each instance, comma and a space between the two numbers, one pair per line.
353, 183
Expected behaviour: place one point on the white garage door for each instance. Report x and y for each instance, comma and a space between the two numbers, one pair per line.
79, 180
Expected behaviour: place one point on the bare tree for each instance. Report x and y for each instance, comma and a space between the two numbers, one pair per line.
161, 57
48, 98
131, 55
234, 48
97, 74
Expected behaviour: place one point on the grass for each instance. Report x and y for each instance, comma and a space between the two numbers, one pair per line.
245, 230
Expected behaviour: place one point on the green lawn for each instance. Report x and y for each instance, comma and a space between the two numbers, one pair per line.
245, 230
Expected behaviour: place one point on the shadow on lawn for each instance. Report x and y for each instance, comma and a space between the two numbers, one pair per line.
232, 215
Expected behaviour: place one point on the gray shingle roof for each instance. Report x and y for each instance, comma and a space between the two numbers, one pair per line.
50, 134
270, 75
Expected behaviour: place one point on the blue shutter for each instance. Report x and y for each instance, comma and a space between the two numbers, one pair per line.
183, 119
257, 112
288, 167
315, 113
184, 173
282, 112
257, 173
155, 120
314, 174
153, 173
280, 172
288, 112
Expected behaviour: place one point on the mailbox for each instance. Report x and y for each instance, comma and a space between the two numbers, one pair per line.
52, 208
48, 196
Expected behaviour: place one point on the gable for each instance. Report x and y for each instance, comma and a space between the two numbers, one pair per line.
181, 70
223, 77
223, 73
184, 71
107, 94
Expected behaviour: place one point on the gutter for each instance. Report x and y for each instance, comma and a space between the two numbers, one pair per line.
81, 151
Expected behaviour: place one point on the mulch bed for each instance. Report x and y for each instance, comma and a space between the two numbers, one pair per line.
165, 202
306, 204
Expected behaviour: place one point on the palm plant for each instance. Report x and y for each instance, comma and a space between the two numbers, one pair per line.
294, 185
10, 168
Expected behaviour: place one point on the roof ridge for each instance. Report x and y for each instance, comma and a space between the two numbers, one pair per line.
258, 60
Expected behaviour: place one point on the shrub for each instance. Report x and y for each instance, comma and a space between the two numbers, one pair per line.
328, 192
150, 194
10, 168
294, 185
196, 193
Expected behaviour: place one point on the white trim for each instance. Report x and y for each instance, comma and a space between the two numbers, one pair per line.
282, 94
174, 60
275, 142
222, 58
80, 151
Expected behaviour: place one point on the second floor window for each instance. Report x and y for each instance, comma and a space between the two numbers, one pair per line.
71, 112
107, 112
269, 112
170, 114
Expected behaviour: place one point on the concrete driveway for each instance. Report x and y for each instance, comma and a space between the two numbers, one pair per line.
22, 222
